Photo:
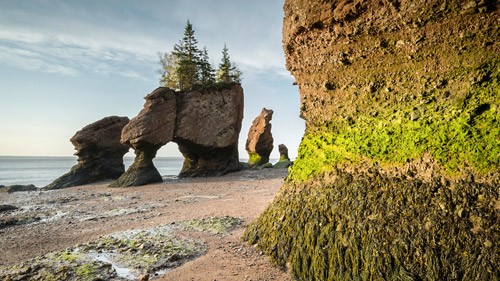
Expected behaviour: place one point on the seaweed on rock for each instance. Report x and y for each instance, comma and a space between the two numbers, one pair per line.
341, 226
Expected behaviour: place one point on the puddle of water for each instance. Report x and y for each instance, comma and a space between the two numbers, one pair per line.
122, 272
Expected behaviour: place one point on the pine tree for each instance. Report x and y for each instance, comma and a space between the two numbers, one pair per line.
188, 58
207, 76
186, 65
227, 72
168, 71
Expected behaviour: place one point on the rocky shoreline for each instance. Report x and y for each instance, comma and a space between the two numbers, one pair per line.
94, 232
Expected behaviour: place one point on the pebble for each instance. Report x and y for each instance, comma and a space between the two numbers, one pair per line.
415, 116
144, 277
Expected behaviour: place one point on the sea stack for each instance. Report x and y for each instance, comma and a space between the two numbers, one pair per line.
284, 161
204, 123
260, 139
398, 172
152, 128
99, 151
207, 130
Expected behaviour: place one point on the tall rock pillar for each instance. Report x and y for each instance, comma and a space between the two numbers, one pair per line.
397, 175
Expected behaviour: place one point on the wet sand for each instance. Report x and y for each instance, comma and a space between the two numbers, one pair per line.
51, 221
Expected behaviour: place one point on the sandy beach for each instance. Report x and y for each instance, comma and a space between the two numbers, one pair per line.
51, 221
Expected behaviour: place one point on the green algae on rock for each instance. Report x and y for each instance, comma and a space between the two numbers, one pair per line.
217, 225
398, 172
123, 255
374, 228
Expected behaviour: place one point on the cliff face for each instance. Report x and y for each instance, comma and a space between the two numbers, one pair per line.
398, 172
395, 81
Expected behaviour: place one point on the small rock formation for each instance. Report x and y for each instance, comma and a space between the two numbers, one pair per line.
207, 130
99, 151
152, 128
283, 152
17, 188
5, 208
284, 160
260, 140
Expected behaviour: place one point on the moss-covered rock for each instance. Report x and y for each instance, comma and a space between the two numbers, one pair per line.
398, 172
283, 164
370, 227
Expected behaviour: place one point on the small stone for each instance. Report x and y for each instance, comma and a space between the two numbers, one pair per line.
488, 244
144, 277
415, 116
4, 208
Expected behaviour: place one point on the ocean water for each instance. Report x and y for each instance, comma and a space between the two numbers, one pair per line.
41, 171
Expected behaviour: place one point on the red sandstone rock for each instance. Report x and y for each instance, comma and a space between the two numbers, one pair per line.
207, 130
152, 128
154, 125
99, 151
260, 140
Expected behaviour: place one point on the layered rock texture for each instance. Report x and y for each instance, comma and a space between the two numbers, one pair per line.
284, 161
99, 151
204, 123
397, 176
152, 128
260, 139
207, 130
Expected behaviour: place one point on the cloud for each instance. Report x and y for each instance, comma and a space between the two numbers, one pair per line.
78, 37
105, 52
31, 61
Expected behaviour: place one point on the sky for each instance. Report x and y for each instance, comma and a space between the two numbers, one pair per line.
66, 64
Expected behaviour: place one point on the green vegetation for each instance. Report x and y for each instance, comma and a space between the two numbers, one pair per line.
457, 131
337, 227
187, 66
255, 159
227, 71
213, 224
87, 271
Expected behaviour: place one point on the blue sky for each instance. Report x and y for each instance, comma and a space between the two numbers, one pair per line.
66, 64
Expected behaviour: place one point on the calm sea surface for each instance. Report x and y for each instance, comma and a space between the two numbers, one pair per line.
41, 171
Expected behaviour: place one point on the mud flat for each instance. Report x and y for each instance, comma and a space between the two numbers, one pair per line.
183, 229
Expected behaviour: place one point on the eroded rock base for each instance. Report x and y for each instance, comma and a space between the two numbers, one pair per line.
373, 227
141, 172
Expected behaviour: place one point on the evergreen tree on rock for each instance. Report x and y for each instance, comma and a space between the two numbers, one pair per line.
188, 57
207, 72
227, 72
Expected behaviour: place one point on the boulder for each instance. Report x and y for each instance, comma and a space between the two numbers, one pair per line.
5, 208
99, 151
152, 128
207, 130
260, 140
17, 188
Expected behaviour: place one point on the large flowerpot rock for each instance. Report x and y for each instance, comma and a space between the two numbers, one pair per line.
152, 128
99, 151
397, 175
260, 139
207, 130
